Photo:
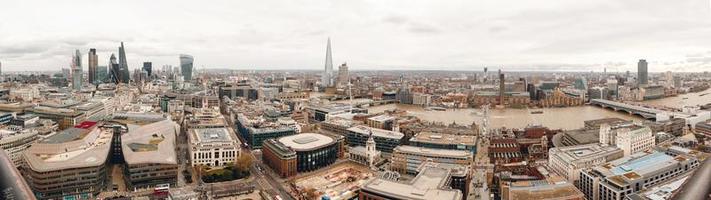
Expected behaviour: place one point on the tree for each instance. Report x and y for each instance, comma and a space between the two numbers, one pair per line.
243, 163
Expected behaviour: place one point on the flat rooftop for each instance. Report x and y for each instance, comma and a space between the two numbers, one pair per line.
544, 190
433, 152
443, 138
152, 143
427, 185
212, 135
366, 130
71, 148
584, 152
639, 165
382, 118
306, 141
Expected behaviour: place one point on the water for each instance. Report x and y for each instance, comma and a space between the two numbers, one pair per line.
555, 118
692, 99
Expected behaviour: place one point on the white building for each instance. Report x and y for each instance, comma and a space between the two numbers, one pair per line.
367, 155
421, 99
634, 141
212, 147
15, 143
629, 137
568, 161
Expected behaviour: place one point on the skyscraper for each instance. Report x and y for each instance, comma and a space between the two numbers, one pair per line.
186, 66
502, 87
114, 70
327, 77
148, 67
343, 75
76, 71
124, 75
641, 73
0, 68
93, 64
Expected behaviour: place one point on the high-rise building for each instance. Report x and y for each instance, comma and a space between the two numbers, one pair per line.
186, 66
102, 73
76, 71
148, 68
0, 68
93, 64
642, 73
327, 77
502, 87
114, 70
343, 75
124, 75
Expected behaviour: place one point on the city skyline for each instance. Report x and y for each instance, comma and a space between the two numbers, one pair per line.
368, 35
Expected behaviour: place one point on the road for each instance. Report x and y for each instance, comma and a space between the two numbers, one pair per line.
264, 177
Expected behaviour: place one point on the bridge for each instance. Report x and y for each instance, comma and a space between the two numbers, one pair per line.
647, 113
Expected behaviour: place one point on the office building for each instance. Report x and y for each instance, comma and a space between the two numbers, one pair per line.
148, 68
301, 153
77, 74
343, 75
642, 73
69, 164
385, 140
15, 142
432, 182
149, 152
617, 179
444, 141
552, 188
327, 76
186, 67
629, 137
233, 92
405, 159
64, 117
568, 161
114, 70
93, 66
124, 75
381, 121
213, 147
102, 74
502, 83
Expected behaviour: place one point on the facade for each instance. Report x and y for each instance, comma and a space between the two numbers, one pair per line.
212, 147
327, 76
233, 92
629, 137
16, 142
617, 179
114, 70
148, 68
406, 159
77, 74
367, 155
381, 121
553, 188
64, 117
122, 71
343, 75
432, 182
149, 152
642, 73
386, 140
704, 128
568, 161
509, 98
313, 151
186, 66
93, 65
445, 141
69, 164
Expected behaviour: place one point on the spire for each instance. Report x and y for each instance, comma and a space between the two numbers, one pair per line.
326, 79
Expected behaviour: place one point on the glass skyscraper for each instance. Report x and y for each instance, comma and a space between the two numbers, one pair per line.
186, 66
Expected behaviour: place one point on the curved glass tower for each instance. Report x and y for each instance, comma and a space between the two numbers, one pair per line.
186, 66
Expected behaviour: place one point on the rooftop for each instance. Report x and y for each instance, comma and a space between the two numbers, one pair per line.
212, 135
365, 130
443, 138
306, 141
382, 118
583, 153
640, 165
433, 152
71, 148
152, 143
429, 184
544, 189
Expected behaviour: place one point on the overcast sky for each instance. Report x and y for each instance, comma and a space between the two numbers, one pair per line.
375, 34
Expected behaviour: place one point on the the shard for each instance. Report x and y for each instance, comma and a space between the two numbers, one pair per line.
327, 77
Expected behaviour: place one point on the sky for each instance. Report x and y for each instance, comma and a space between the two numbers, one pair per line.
515, 35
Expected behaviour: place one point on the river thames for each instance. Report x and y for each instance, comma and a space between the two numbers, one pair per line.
555, 118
